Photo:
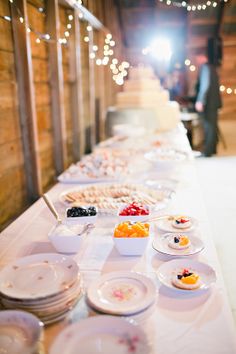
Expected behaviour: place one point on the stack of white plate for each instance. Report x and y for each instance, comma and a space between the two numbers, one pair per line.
122, 293
47, 285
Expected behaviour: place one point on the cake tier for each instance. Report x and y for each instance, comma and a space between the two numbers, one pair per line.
141, 73
168, 116
142, 99
142, 85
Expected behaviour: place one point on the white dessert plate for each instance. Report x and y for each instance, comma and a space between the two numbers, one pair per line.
19, 332
166, 226
38, 276
101, 334
167, 270
161, 245
121, 293
162, 155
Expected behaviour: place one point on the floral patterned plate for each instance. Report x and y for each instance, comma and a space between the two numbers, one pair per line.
121, 293
38, 276
101, 334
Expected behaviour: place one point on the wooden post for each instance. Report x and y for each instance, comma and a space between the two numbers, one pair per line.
56, 84
92, 92
75, 72
24, 73
101, 84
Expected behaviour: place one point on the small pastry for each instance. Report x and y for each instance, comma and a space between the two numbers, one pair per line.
181, 222
186, 279
179, 242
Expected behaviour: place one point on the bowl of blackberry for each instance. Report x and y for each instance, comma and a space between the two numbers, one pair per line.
81, 214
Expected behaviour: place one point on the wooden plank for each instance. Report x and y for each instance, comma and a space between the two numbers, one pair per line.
92, 92
75, 80
56, 83
24, 74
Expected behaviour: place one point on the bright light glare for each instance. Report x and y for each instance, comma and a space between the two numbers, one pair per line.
161, 49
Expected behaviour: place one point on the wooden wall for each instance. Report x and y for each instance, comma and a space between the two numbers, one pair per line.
13, 198
83, 96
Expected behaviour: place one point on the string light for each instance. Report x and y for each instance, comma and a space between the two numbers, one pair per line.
199, 7
192, 68
99, 62
187, 62
118, 73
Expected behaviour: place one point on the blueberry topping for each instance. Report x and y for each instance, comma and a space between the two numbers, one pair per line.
81, 211
176, 239
179, 276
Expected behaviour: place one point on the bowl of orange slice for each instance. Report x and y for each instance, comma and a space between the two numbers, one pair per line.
131, 238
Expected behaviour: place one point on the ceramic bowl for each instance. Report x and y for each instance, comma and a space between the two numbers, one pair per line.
20, 332
132, 218
70, 243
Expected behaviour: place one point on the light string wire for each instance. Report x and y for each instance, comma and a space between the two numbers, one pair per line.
119, 70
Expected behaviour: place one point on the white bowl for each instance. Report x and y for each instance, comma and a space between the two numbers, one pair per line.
132, 218
81, 219
131, 246
20, 332
66, 243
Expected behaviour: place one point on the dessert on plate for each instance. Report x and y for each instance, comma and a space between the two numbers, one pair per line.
181, 222
179, 242
186, 279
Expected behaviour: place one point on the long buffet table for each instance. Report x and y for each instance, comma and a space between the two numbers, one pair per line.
175, 323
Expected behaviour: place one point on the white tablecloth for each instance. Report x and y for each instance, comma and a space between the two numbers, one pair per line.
175, 324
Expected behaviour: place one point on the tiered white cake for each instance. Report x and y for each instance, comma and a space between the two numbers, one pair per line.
143, 91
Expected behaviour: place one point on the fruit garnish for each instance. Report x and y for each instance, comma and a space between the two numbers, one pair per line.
190, 279
183, 240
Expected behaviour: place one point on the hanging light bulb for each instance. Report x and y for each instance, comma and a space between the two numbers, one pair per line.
95, 48
86, 39
70, 17
92, 55
114, 61
99, 62
109, 36
89, 28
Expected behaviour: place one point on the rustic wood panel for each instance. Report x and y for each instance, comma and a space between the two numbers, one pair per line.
24, 75
56, 84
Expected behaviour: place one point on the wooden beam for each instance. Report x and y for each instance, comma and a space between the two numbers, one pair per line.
76, 89
56, 84
28, 119
91, 92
